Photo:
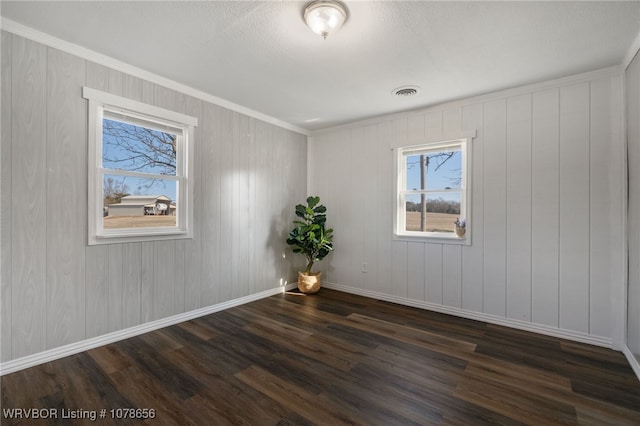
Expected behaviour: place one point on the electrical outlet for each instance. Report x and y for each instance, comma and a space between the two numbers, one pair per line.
364, 267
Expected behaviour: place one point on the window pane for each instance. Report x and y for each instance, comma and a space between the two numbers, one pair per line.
136, 148
130, 202
440, 170
440, 212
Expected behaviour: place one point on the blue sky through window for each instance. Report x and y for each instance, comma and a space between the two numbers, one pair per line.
442, 172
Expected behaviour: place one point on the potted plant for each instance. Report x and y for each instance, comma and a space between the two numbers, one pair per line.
461, 227
312, 239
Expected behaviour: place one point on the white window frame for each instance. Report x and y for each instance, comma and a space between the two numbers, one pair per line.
462, 141
99, 102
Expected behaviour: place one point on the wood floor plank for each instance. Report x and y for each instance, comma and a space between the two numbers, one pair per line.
222, 396
514, 403
199, 329
410, 335
294, 397
589, 407
109, 358
335, 358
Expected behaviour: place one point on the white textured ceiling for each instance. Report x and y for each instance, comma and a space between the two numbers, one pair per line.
262, 56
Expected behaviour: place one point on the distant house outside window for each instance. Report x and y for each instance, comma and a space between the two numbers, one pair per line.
140, 161
433, 192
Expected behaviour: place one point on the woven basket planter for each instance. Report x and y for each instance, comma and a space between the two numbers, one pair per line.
309, 283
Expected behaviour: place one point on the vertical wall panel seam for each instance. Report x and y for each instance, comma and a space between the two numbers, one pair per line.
589, 243
12, 118
139, 283
559, 202
91, 162
377, 210
483, 204
121, 278
46, 189
506, 210
441, 273
86, 131
424, 273
461, 275
406, 268
531, 195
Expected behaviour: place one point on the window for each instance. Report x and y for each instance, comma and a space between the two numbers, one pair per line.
140, 161
432, 192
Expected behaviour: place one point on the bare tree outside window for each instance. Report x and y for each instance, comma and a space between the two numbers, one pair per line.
139, 149
114, 190
148, 158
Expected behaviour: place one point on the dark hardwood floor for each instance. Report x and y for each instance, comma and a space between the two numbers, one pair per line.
332, 358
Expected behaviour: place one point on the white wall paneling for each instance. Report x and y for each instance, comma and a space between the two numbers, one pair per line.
452, 275
96, 257
28, 197
371, 199
543, 164
385, 210
417, 125
433, 273
192, 249
473, 255
58, 291
399, 268
415, 271
210, 191
495, 213
574, 206
545, 204
263, 196
601, 273
132, 284
518, 220
632, 80
354, 188
66, 184
5, 200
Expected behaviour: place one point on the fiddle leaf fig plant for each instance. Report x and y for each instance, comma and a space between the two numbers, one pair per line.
310, 237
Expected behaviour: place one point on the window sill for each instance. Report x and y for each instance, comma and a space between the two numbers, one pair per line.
135, 237
434, 238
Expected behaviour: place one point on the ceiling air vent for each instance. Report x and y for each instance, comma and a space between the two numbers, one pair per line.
406, 91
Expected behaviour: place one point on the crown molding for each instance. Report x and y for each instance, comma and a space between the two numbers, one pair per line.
93, 56
631, 52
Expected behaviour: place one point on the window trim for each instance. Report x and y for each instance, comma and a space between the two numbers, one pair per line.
464, 141
172, 121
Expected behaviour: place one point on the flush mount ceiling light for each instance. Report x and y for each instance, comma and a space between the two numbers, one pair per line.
325, 16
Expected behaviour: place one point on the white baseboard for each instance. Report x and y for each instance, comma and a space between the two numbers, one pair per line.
478, 316
633, 361
74, 348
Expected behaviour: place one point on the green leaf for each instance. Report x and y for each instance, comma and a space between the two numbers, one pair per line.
312, 201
